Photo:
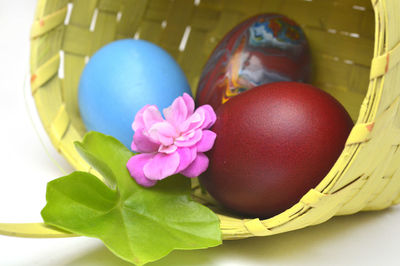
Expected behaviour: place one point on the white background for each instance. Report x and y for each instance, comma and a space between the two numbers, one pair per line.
28, 162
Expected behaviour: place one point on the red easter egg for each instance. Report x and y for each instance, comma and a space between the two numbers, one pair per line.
262, 49
274, 143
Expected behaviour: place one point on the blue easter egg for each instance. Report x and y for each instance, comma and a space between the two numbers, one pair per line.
120, 79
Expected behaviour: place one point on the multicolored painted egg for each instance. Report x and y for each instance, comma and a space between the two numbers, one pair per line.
262, 49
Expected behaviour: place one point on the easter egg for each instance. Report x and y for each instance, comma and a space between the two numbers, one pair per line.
262, 49
120, 79
274, 143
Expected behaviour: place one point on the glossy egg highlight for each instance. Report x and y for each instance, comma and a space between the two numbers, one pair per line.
262, 49
274, 143
120, 79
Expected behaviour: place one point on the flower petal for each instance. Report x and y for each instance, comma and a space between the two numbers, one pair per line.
161, 166
189, 103
186, 157
203, 118
163, 132
167, 149
135, 166
197, 167
177, 112
134, 147
151, 115
138, 122
194, 121
142, 143
189, 140
207, 141
209, 116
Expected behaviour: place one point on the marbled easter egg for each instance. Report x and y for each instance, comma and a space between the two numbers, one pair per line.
262, 49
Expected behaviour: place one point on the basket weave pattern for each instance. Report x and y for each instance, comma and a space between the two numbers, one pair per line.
356, 55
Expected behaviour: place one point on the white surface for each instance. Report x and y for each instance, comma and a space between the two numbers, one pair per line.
362, 239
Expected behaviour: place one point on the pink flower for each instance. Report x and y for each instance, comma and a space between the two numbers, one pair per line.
174, 145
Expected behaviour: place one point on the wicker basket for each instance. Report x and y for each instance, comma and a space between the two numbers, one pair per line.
356, 51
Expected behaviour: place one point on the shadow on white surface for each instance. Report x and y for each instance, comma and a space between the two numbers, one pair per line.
329, 240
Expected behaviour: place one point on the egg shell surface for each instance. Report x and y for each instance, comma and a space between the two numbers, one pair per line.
120, 79
274, 143
262, 49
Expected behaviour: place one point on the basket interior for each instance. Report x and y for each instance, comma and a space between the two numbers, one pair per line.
341, 35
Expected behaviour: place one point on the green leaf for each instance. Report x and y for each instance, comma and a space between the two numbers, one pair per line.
138, 224
109, 157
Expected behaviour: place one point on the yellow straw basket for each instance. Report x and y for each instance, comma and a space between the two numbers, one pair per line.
356, 54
